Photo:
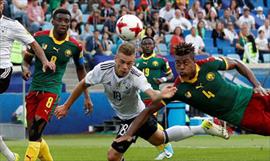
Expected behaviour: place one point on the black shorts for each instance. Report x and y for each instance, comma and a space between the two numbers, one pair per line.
5, 75
145, 132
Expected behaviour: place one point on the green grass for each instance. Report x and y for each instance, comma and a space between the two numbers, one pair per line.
198, 148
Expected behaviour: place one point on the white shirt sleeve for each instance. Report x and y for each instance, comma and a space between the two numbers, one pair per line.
141, 83
21, 34
94, 76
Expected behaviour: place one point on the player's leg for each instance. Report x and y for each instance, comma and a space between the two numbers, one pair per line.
9, 155
256, 117
39, 106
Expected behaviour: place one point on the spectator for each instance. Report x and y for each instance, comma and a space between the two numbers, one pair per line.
107, 10
167, 12
19, 11
156, 18
196, 41
200, 29
242, 40
64, 4
266, 28
247, 18
76, 13
218, 33
44, 6
74, 29
184, 11
93, 45
260, 14
176, 39
212, 19
94, 19
227, 17
109, 27
196, 8
251, 54
36, 16
106, 44
178, 20
230, 32
235, 9
262, 45
200, 17
86, 32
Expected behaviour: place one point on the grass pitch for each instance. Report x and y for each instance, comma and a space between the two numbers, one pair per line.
199, 148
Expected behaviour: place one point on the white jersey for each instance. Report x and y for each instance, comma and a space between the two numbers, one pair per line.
123, 93
11, 30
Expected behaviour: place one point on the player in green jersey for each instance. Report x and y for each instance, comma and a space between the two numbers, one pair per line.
157, 70
46, 87
200, 85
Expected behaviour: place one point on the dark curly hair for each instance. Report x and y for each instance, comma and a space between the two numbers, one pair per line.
184, 49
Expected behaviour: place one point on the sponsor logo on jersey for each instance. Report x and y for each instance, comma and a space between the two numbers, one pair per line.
188, 94
155, 63
210, 76
68, 53
54, 48
44, 46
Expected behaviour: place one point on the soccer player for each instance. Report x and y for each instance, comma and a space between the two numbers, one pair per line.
11, 30
123, 82
46, 86
200, 85
154, 67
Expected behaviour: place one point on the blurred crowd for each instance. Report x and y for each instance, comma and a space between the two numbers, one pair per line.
239, 27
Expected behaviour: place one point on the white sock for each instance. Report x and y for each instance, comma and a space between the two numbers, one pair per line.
197, 129
5, 150
177, 133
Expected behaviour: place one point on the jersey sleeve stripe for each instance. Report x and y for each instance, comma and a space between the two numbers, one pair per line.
106, 67
225, 61
133, 71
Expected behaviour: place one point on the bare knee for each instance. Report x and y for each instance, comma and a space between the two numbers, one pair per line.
114, 155
157, 138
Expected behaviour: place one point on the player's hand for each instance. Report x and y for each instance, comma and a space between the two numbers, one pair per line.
61, 111
49, 66
168, 91
261, 91
88, 106
123, 138
26, 74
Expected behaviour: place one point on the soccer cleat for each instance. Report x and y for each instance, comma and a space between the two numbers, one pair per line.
164, 154
215, 130
17, 157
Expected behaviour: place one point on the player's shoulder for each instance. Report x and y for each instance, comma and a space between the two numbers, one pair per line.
107, 65
135, 72
42, 33
75, 42
158, 56
9, 19
208, 60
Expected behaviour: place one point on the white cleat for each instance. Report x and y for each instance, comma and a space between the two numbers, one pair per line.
215, 130
164, 154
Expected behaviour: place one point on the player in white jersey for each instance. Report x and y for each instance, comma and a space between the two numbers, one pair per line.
11, 30
123, 82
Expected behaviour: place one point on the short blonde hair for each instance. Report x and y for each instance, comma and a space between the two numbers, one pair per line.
127, 49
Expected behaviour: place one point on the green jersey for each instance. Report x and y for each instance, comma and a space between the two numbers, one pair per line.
212, 94
153, 67
59, 52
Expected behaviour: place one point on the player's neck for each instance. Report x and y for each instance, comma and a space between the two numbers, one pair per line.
58, 36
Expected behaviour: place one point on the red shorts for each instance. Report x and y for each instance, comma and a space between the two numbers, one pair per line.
41, 104
257, 115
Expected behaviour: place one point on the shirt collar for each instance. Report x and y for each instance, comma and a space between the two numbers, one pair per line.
149, 57
195, 78
57, 41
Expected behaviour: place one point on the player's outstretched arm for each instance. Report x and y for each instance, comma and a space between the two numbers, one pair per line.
246, 72
41, 56
26, 63
61, 111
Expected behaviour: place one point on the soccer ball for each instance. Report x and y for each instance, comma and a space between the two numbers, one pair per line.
129, 27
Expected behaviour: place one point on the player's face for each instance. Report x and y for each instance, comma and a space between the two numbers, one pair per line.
148, 46
61, 23
123, 64
185, 66
1, 7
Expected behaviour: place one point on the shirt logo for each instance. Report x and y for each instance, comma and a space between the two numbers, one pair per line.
188, 94
210, 76
54, 48
44, 46
155, 63
68, 53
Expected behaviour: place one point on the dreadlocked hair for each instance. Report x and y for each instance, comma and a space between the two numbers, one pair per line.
184, 49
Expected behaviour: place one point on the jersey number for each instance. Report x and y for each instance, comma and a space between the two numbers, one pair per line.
208, 94
49, 102
53, 59
117, 95
146, 72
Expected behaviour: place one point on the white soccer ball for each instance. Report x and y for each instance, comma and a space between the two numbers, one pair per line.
129, 27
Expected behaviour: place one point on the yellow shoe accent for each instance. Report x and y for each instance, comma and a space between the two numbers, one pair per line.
17, 157
32, 151
215, 130
44, 153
